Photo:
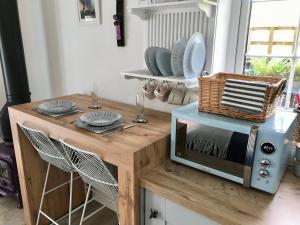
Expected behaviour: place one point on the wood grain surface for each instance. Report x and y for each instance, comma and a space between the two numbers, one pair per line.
224, 201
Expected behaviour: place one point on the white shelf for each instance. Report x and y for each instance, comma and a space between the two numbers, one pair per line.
144, 74
201, 4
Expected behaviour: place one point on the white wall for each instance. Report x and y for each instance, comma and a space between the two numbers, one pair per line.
226, 39
81, 55
31, 19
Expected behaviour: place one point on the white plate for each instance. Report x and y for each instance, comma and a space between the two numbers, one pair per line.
152, 61
163, 60
79, 123
100, 118
57, 106
177, 56
194, 56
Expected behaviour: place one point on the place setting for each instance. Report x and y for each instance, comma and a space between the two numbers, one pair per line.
101, 122
58, 108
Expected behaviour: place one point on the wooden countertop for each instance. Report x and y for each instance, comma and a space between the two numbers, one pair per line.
224, 201
117, 148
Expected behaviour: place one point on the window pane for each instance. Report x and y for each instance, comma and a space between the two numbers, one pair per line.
273, 25
282, 50
257, 49
298, 53
296, 85
285, 35
268, 67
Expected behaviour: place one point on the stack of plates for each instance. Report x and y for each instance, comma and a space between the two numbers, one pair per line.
187, 58
100, 122
158, 61
150, 58
57, 108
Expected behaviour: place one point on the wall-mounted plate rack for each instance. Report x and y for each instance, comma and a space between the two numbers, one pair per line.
203, 5
144, 74
169, 21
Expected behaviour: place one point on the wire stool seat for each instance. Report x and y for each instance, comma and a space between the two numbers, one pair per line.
51, 152
95, 173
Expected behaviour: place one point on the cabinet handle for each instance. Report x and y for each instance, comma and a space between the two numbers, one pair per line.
153, 214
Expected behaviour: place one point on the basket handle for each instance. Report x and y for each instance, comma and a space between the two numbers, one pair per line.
280, 87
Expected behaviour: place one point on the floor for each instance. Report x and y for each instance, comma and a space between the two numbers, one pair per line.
11, 215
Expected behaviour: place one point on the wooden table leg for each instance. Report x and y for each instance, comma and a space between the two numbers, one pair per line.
30, 202
129, 197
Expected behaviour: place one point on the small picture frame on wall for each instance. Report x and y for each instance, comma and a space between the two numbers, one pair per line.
89, 11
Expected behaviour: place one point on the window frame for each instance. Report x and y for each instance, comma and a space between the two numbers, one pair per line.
242, 54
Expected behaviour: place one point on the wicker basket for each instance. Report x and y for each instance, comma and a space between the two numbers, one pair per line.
211, 92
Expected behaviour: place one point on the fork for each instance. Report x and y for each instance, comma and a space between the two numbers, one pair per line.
119, 129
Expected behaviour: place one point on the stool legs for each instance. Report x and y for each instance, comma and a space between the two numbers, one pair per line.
43, 194
85, 204
71, 197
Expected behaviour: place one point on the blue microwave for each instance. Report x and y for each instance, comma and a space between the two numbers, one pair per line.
252, 154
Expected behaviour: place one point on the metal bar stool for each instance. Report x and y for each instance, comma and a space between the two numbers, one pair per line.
52, 152
95, 173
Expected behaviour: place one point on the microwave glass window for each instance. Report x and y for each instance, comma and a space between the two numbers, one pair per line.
216, 148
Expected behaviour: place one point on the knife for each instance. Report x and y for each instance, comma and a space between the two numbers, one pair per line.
120, 129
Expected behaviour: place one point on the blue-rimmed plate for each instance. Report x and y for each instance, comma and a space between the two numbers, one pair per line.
163, 60
177, 56
79, 123
99, 119
57, 106
150, 57
147, 60
194, 56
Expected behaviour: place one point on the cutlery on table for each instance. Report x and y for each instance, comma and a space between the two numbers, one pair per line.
111, 129
123, 127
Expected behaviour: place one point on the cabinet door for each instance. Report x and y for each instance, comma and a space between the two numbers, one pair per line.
154, 203
178, 215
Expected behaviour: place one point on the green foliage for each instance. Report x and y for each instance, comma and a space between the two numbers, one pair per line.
271, 67
297, 73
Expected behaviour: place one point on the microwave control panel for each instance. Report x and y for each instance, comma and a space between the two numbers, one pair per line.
267, 148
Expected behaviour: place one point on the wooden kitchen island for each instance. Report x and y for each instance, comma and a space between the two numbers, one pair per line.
134, 151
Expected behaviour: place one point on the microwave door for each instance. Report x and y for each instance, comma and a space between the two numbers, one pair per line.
250, 156
215, 150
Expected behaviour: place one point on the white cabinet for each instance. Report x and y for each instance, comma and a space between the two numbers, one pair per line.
170, 213
154, 203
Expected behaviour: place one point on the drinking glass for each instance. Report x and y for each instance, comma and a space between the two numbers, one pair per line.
95, 93
140, 101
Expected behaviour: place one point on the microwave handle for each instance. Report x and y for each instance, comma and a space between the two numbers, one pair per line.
250, 156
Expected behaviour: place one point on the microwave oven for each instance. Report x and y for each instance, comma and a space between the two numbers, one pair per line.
252, 154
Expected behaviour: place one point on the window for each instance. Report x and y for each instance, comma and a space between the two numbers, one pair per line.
273, 43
